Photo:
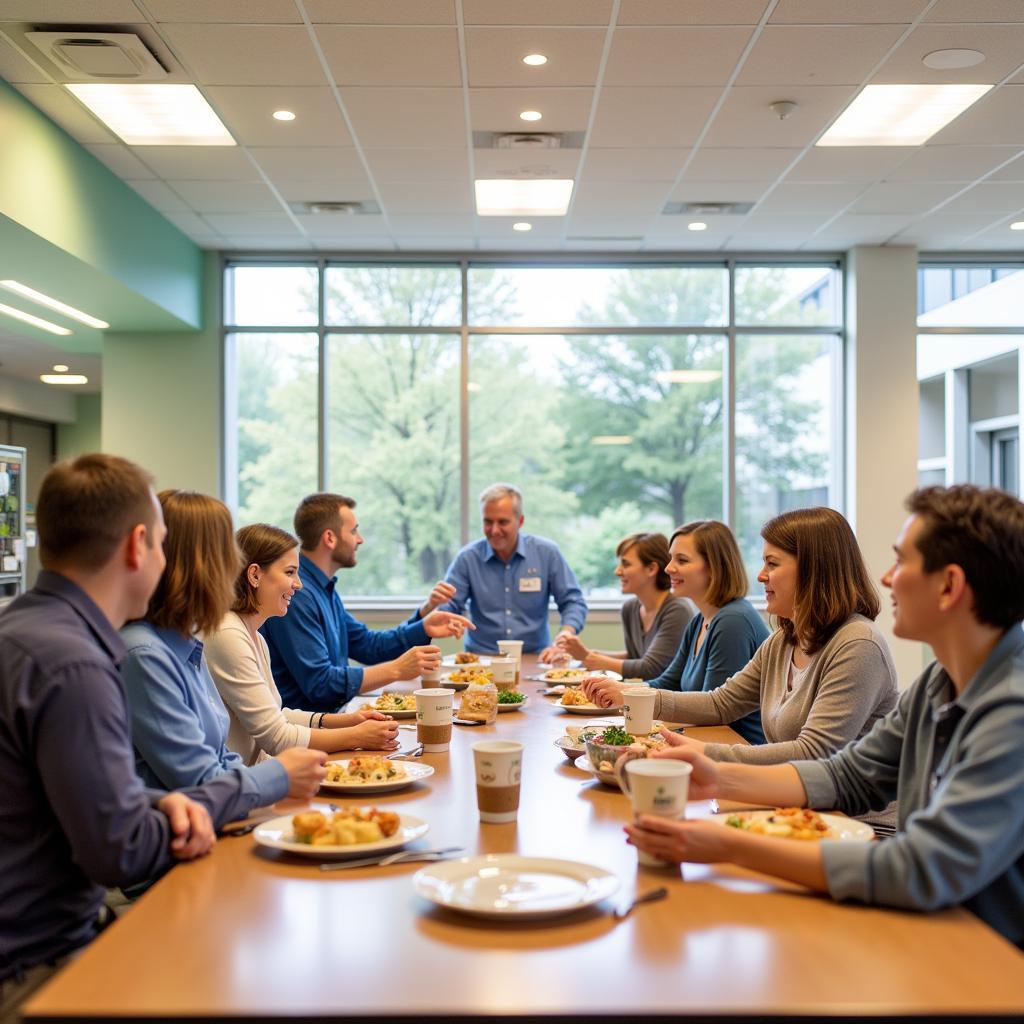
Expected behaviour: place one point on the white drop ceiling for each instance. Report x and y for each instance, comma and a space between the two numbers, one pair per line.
669, 97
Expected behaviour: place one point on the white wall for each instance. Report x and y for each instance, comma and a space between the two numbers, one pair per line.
37, 401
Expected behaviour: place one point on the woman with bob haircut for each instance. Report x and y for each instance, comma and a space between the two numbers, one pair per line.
179, 723
825, 676
704, 564
653, 619
239, 662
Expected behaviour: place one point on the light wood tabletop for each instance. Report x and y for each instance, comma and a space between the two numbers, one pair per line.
252, 933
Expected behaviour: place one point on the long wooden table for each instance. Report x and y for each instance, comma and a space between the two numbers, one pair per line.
250, 933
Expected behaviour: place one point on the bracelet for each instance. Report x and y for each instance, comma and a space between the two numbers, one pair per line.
320, 724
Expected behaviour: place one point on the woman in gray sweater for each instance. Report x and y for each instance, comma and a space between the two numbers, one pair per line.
825, 676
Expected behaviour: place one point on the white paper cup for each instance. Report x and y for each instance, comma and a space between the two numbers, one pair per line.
434, 718
655, 787
638, 709
431, 677
498, 766
503, 672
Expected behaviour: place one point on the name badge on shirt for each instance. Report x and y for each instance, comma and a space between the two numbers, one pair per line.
529, 585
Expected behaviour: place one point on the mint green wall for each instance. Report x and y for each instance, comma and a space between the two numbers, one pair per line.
82, 435
162, 398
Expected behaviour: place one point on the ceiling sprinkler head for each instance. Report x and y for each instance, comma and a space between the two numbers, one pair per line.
782, 108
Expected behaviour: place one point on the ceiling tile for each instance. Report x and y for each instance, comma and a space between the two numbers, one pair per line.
897, 197
537, 12
333, 191
859, 229
693, 12
389, 55
241, 224
497, 110
240, 12
739, 164
370, 12
242, 54
247, 110
432, 197
14, 68
160, 197
122, 162
413, 224
994, 120
190, 223
849, 12
339, 225
651, 118
608, 225
501, 227
674, 229
951, 163
943, 229
403, 118
1000, 239
976, 10
281, 163
803, 198
69, 12
667, 55
746, 120
521, 163
1013, 171
226, 197
198, 163
848, 163
1001, 44
816, 54
633, 164
1001, 199
272, 243
60, 106
611, 244
789, 228
629, 197
719, 191
495, 56
347, 245
417, 164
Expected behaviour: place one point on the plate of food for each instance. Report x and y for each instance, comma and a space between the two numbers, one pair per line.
605, 775
465, 658
509, 886
511, 700
576, 702
373, 773
460, 678
565, 675
350, 832
397, 705
797, 823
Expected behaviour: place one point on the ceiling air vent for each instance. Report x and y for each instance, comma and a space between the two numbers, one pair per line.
98, 56
346, 207
528, 140
706, 208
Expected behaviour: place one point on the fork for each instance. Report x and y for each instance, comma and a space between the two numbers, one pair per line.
416, 751
648, 897
402, 857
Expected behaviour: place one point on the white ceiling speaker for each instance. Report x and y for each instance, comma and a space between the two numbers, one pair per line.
99, 56
782, 108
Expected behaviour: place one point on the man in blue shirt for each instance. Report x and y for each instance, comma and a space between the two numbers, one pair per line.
310, 646
74, 816
949, 753
507, 579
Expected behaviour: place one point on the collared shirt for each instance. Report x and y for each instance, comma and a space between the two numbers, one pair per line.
179, 722
509, 600
311, 645
74, 815
954, 764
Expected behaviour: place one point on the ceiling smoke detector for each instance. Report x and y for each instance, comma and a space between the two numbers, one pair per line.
782, 108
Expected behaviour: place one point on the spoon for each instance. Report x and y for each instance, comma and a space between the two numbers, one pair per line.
648, 897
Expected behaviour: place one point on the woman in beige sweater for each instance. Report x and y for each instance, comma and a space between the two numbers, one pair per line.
825, 676
239, 662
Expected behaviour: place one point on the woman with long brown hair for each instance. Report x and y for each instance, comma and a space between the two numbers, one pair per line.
240, 662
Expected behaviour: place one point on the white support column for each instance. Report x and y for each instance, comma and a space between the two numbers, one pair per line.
882, 413
958, 470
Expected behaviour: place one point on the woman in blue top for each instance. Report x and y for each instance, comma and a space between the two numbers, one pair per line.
179, 723
705, 565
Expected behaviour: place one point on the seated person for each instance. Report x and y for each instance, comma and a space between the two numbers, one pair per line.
239, 662
310, 647
653, 619
949, 754
825, 676
506, 580
75, 818
179, 724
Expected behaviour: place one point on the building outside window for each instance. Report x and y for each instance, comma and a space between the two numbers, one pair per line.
619, 398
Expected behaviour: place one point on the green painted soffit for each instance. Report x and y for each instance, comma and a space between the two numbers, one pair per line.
84, 236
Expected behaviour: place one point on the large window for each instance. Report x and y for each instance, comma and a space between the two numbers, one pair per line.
620, 398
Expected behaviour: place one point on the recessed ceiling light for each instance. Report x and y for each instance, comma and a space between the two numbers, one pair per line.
35, 321
1017, 225
946, 60
54, 304
283, 115
610, 439
61, 368
535, 59
900, 115
687, 376
697, 225
522, 225
530, 115
155, 115
523, 197
63, 378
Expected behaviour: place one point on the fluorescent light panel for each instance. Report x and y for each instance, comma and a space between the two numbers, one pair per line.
900, 115
514, 197
63, 378
54, 304
155, 115
35, 321
687, 376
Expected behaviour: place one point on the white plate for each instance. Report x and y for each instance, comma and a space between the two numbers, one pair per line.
506, 885
447, 683
414, 772
580, 709
554, 676
277, 834
514, 707
449, 660
368, 706
584, 765
844, 830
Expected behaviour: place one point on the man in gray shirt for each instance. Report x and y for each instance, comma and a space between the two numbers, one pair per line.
950, 752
